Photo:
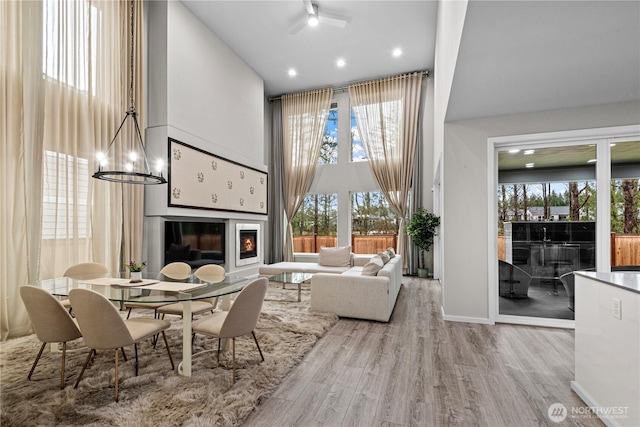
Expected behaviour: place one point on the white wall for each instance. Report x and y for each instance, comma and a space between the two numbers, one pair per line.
465, 187
202, 94
451, 15
450, 23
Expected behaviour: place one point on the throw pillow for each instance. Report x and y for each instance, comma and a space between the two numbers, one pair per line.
179, 252
385, 256
392, 252
335, 257
373, 266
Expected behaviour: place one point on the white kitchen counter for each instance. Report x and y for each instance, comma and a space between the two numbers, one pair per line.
607, 345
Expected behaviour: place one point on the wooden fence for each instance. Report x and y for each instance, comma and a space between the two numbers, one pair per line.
359, 244
312, 244
625, 249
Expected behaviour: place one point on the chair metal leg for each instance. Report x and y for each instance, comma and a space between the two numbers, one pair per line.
116, 379
35, 362
253, 334
135, 347
168, 350
129, 313
219, 350
64, 353
86, 362
233, 357
124, 355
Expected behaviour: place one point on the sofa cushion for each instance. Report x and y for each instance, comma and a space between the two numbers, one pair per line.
373, 266
335, 257
391, 251
298, 267
385, 256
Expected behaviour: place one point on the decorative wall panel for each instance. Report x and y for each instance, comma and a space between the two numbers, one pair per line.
201, 180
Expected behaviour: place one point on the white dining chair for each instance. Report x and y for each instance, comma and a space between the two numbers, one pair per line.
173, 271
241, 319
84, 270
211, 273
103, 328
50, 321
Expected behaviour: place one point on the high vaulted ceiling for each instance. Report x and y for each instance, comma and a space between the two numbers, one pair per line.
259, 32
515, 56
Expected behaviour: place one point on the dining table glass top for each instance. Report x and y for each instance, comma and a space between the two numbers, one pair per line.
155, 287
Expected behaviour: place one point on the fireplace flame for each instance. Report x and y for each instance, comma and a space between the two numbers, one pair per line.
248, 244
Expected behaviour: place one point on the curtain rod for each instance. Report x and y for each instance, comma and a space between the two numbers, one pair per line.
345, 87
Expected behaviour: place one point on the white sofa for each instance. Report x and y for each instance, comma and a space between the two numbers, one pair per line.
343, 290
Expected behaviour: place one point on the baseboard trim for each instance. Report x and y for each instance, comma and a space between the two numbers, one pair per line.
591, 403
537, 321
465, 319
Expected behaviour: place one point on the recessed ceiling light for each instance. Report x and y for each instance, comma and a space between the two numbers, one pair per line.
340, 63
529, 165
613, 144
514, 150
591, 161
527, 152
397, 52
292, 72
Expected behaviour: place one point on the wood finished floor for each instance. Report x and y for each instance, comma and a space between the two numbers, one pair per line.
418, 370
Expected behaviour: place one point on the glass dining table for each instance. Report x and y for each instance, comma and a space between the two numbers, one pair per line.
155, 288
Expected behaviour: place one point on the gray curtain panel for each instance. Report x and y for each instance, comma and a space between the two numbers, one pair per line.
275, 231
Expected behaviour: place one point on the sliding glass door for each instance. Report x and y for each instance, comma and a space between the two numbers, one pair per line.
546, 211
563, 202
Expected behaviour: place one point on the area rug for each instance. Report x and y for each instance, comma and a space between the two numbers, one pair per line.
158, 396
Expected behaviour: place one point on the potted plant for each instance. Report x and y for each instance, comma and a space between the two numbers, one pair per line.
421, 228
135, 268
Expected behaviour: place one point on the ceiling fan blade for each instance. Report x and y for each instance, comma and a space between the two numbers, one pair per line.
309, 7
299, 26
333, 20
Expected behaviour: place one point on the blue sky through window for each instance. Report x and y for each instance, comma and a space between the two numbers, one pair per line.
357, 149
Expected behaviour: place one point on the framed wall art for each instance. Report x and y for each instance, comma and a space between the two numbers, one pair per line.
202, 180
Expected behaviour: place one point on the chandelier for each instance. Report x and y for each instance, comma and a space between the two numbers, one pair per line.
133, 168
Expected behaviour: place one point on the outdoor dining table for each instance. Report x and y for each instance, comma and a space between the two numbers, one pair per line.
155, 288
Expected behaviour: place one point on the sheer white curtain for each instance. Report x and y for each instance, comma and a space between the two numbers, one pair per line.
304, 118
387, 112
65, 69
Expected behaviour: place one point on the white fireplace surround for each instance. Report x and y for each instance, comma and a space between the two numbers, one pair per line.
251, 260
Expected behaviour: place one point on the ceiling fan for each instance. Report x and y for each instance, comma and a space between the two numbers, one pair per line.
314, 17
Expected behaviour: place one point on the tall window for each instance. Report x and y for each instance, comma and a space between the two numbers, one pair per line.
65, 196
66, 46
374, 226
329, 149
357, 148
316, 223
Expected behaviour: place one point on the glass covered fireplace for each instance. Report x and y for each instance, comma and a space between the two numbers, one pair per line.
247, 244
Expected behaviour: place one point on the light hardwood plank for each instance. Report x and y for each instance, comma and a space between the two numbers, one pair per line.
418, 370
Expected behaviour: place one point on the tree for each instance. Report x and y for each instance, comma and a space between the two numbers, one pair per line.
421, 228
581, 204
546, 190
329, 148
631, 202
